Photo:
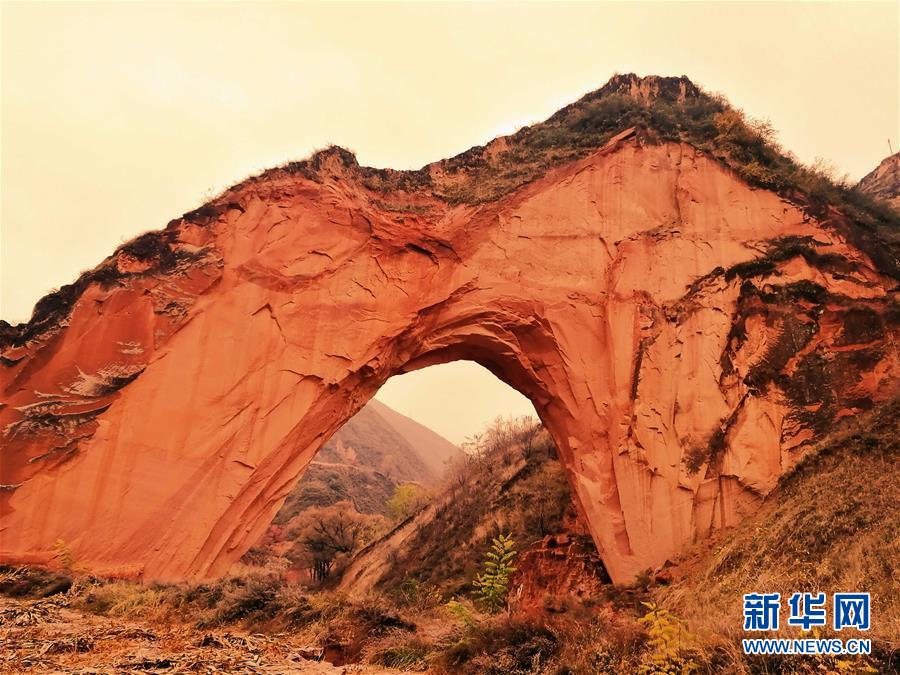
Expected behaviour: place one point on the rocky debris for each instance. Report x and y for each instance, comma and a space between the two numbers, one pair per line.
683, 334
31, 614
71, 642
33, 582
558, 569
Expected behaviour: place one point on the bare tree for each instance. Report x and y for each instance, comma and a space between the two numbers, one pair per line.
328, 535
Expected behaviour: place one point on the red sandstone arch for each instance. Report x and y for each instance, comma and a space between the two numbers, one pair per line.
156, 427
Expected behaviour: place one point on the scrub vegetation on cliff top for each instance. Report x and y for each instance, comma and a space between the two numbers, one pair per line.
660, 109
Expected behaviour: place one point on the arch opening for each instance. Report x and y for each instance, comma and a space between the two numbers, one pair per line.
378, 470
456, 399
492, 342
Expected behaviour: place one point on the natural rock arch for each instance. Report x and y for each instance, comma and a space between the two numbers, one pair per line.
157, 413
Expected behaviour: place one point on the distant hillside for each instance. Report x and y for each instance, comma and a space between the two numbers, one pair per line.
884, 181
361, 465
435, 451
376, 450
367, 440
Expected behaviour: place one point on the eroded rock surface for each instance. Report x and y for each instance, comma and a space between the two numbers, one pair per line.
558, 569
683, 336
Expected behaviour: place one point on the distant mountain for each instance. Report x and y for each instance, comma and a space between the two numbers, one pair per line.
884, 182
377, 449
435, 451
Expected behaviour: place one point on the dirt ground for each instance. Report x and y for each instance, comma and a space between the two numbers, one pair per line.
45, 636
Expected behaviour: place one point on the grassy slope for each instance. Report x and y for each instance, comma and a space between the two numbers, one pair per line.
833, 524
496, 490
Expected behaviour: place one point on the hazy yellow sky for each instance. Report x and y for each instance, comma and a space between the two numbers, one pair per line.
118, 117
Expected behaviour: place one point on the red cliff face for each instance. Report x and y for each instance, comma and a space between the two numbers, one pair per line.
683, 336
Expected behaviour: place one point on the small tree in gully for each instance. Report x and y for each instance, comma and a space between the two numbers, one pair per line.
327, 536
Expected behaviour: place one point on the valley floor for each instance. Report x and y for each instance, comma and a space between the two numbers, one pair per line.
46, 636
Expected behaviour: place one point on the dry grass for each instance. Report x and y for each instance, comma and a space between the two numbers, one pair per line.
510, 481
832, 525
